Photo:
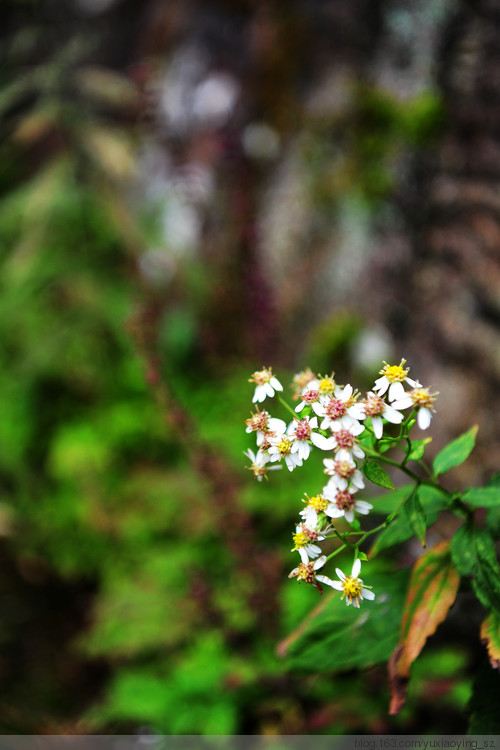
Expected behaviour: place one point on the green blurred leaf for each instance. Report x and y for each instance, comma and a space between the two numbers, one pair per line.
456, 452
376, 474
482, 497
474, 554
431, 501
417, 516
319, 644
418, 448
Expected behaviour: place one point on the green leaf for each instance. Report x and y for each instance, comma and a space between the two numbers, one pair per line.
432, 591
418, 449
376, 474
456, 452
490, 636
416, 516
319, 644
432, 500
482, 497
484, 713
473, 553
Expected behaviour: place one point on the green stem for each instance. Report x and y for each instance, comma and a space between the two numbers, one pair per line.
287, 406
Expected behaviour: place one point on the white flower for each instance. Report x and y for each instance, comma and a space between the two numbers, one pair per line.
343, 470
344, 437
306, 571
314, 505
342, 503
259, 461
351, 586
339, 407
419, 398
301, 431
266, 384
304, 538
393, 377
309, 396
263, 424
280, 446
376, 408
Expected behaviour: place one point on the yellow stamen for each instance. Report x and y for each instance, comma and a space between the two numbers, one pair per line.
395, 373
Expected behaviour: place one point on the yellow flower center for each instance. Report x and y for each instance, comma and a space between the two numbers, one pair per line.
326, 385
395, 373
318, 502
352, 587
261, 376
422, 397
300, 539
284, 447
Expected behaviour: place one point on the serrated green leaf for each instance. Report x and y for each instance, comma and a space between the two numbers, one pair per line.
456, 452
376, 474
432, 591
432, 501
417, 517
372, 631
482, 497
473, 554
490, 636
418, 448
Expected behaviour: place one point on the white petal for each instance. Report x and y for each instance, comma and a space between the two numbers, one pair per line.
318, 409
396, 390
393, 416
424, 418
356, 568
349, 516
328, 581
277, 425
313, 421
319, 562
367, 594
276, 384
268, 389
401, 403
378, 427
340, 574
320, 441
303, 555
362, 507
300, 406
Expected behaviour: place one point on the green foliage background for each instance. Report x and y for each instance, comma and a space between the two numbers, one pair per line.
144, 581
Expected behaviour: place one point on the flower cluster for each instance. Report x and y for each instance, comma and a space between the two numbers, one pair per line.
347, 428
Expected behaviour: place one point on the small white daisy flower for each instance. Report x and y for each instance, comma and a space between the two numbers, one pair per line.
259, 461
393, 377
306, 571
309, 396
266, 384
263, 424
304, 540
339, 407
280, 447
376, 408
345, 436
419, 398
353, 590
342, 503
343, 471
301, 431
314, 505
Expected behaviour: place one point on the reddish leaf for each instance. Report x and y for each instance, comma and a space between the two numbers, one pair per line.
490, 636
433, 587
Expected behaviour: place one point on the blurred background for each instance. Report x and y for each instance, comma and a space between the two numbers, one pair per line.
191, 190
